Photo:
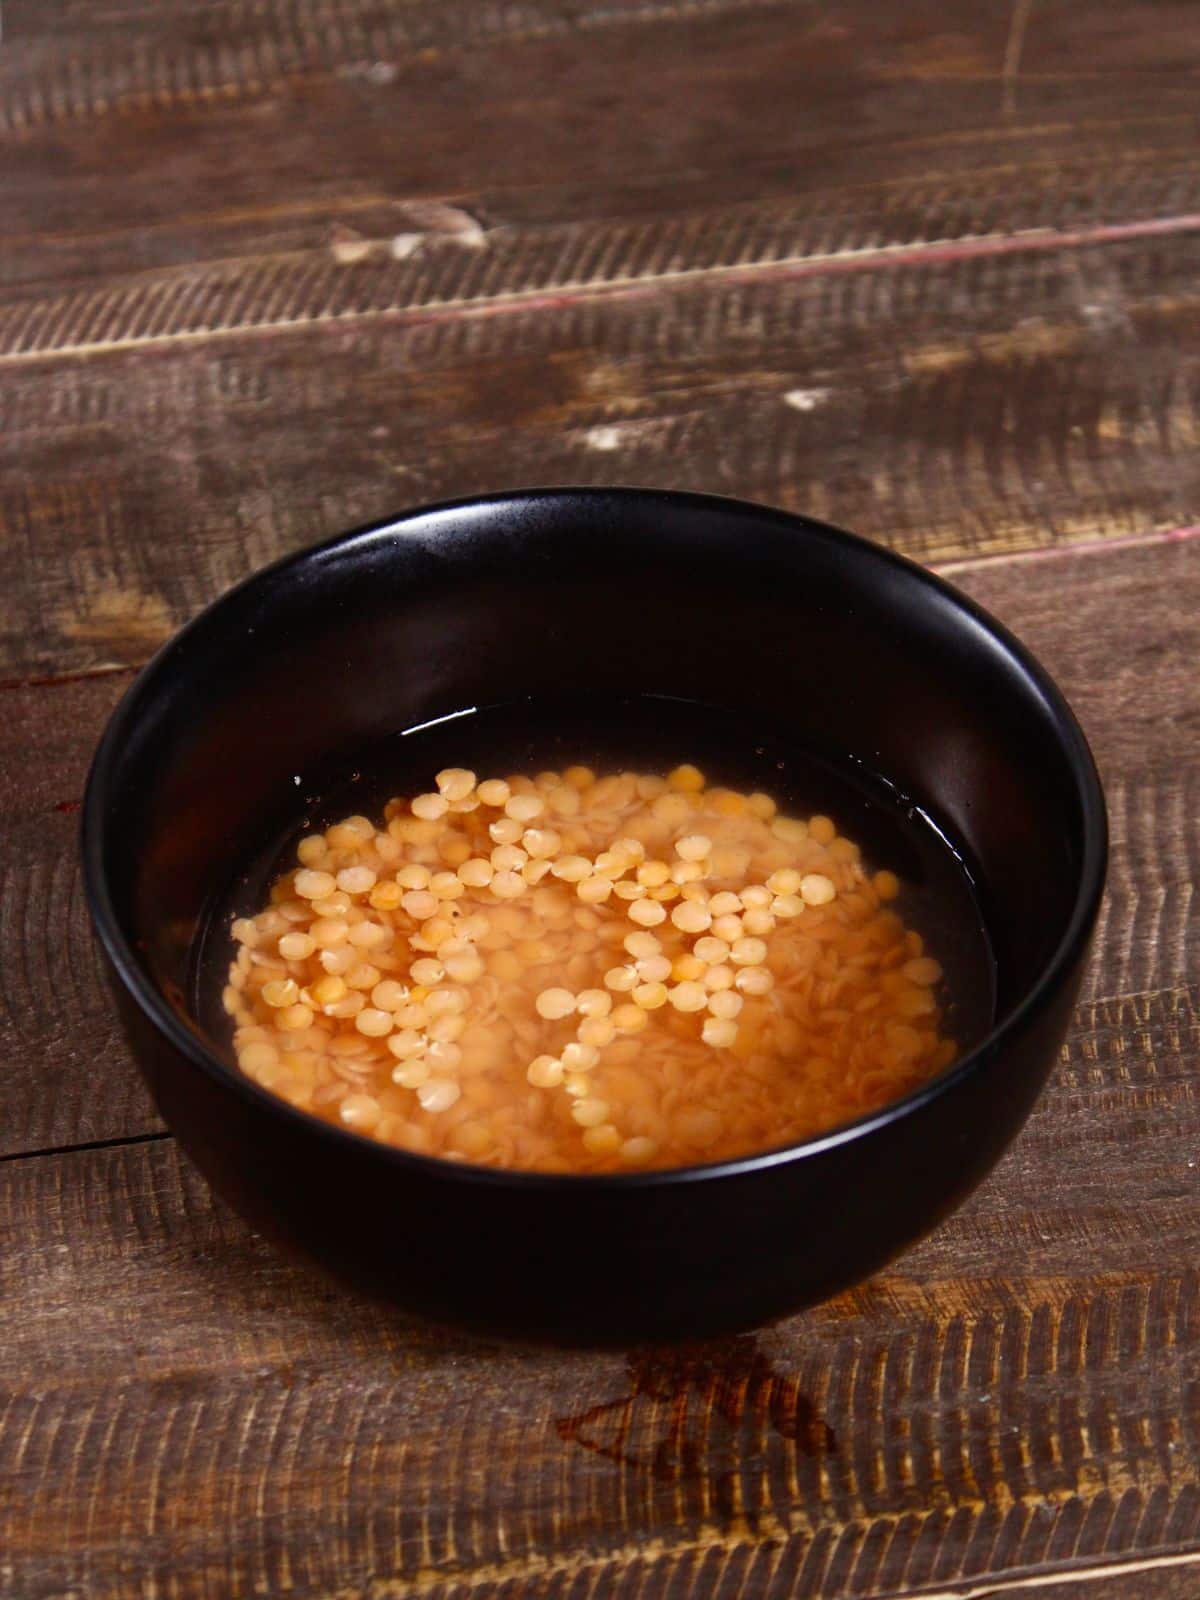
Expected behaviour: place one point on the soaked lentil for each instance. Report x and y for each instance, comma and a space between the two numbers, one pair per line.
569, 972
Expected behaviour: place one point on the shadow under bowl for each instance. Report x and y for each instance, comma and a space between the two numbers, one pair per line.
744, 608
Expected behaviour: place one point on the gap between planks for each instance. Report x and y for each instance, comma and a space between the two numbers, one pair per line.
118, 1142
1052, 1579
1054, 552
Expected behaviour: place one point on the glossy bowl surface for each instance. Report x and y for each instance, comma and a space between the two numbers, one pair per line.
836, 640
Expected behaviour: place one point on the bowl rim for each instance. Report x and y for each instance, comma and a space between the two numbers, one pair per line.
192, 1045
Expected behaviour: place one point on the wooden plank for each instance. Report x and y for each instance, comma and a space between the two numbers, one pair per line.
997, 181
406, 92
66, 1080
440, 259
65, 1076
1002, 183
256, 133
949, 407
1129, 668
1014, 1396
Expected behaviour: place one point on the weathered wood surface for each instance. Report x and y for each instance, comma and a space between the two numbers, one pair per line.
271, 267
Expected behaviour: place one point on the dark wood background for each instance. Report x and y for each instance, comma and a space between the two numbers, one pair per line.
269, 268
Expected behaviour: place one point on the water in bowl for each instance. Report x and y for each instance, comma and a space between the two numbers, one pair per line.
571, 1031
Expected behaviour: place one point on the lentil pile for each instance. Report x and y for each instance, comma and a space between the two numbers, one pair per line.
572, 973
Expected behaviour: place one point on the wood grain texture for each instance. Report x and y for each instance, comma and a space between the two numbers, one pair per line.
1018, 1393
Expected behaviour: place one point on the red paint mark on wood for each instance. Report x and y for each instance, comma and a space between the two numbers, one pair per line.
934, 253
1079, 547
55, 680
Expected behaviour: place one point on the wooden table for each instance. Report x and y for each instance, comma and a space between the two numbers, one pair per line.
269, 268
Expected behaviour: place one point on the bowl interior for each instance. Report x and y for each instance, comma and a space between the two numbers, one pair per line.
596, 594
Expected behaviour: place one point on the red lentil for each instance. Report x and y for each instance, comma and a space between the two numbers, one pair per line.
668, 973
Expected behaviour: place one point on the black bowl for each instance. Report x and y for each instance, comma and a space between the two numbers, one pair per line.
744, 608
